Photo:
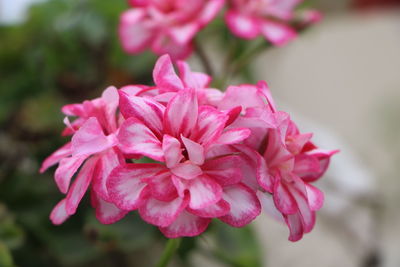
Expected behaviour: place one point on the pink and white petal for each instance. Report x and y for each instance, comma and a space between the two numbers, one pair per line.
306, 165
110, 97
183, 34
242, 25
136, 138
73, 110
162, 213
295, 225
315, 197
90, 139
186, 225
268, 205
181, 185
135, 33
108, 160
233, 136
216, 210
235, 94
161, 186
195, 151
165, 45
244, 205
278, 34
212, 97
66, 169
145, 109
172, 151
210, 125
59, 214
284, 201
264, 89
56, 156
264, 179
106, 213
224, 170
204, 192
165, 77
126, 186
80, 185
210, 11
195, 80
181, 113
186, 170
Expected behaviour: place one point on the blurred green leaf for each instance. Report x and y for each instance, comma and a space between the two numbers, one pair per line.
5, 256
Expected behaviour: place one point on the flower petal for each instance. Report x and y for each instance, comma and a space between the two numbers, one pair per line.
165, 77
218, 209
162, 213
106, 213
90, 139
195, 151
57, 155
224, 170
186, 170
126, 187
283, 198
242, 25
278, 34
186, 224
268, 205
315, 197
203, 192
234, 136
245, 206
147, 110
295, 226
161, 186
135, 138
172, 151
80, 185
181, 113
59, 213
195, 80
66, 169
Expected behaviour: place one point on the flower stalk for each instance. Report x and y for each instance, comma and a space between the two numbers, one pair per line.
169, 251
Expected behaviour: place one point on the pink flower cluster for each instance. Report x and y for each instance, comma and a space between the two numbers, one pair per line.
169, 26
212, 155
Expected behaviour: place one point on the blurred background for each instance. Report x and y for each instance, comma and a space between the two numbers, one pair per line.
340, 79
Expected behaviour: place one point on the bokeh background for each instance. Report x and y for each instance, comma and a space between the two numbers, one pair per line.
340, 79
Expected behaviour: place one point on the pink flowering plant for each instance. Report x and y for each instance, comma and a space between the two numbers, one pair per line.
181, 153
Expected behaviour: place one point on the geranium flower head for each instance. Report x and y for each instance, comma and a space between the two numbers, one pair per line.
165, 26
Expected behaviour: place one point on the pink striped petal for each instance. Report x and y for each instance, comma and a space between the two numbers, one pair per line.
195, 80
161, 186
242, 25
108, 160
264, 179
210, 124
203, 192
194, 150
126, 186
278, 34
245, 206
144, 109
135, 34
172, 151
315, 197
234, 136
165, 77
54, 158
66, 169
295, 227
110, 97
225, 170
233, 114
186, 225
135, 138
218, 209
181, 113
283, 198
186, 170
80, 185
59, 214
90, 139
162, 213
106, 213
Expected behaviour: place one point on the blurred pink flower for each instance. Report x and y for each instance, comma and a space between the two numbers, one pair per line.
249, 19
93, 149
167, 26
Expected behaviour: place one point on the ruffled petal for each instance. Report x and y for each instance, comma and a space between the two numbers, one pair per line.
126, 186
186, 224
218, 209
161, 186
203, 192
244, 205
136, 138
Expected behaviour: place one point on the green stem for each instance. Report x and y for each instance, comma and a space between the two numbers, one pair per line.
169, 251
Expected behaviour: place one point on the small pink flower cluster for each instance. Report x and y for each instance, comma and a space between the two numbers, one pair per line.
213, 155
169, 26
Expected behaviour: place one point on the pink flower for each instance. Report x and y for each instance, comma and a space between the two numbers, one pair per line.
167, 26
287, 161
249, 19
187, 187
93, 149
